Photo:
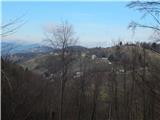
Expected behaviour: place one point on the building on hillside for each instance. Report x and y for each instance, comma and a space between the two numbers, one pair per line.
121, 70
56, 54
93, 57
78, 74
83, 54
51, 53
105, 59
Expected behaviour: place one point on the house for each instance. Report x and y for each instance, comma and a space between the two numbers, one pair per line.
110, 63
121, 70
93, 57
83, 54
105, 59
55, 54
78, 74
51, 53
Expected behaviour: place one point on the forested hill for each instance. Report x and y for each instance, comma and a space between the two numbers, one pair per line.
121, 77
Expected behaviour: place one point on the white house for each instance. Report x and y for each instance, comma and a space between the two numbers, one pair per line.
93, 57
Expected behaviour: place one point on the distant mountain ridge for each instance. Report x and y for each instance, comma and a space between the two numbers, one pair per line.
14, 48
20, 52
33, 48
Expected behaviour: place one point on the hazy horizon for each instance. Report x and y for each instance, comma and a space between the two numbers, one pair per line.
97, 24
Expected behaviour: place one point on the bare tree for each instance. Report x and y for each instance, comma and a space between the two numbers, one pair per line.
12, 26
62, 37
151, 8
6, 30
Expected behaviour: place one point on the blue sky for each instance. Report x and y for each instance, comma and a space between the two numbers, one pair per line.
95, 23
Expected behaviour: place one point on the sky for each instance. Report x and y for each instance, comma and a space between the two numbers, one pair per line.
96, 24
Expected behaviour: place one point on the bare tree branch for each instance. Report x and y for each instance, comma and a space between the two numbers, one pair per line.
12, 26
151, 8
